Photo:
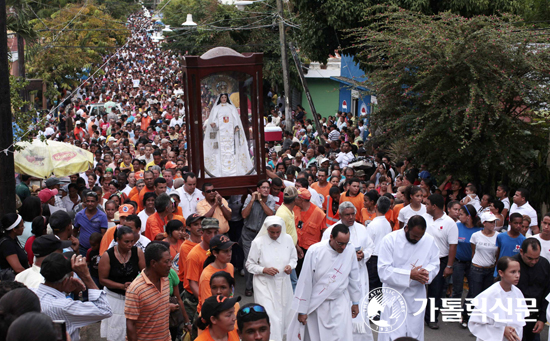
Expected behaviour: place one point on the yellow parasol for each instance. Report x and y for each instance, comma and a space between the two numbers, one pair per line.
41, 159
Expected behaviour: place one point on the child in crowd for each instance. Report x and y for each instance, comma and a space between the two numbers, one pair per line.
93, 256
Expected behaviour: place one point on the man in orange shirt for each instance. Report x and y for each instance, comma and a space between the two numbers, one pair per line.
214, 206
322, 186
195, 237
155, 227
194, 265
149, 180
354, 196
310, 223
145, 121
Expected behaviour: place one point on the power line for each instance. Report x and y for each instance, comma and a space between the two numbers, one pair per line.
90, 29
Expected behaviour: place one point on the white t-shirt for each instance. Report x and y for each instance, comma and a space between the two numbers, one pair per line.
525, 209
506, 203
545, 246
444, 231
486, 248
127, 190
143, 217
407, 212
378, 228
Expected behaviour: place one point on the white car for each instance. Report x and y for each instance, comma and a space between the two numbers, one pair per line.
98, 109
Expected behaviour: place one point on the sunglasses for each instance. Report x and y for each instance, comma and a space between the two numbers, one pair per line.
209, 191
256, 308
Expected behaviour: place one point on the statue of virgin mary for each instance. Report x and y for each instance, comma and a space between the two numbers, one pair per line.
225, 145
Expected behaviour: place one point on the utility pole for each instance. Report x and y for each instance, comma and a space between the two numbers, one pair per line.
318, 125
284, 60
7, 180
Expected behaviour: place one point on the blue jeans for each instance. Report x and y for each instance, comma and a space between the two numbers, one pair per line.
437, 290
293, 279
480, 279
461, 269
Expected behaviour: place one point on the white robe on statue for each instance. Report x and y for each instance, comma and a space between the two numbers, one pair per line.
225, 146
273, 292
326, 282
487, 325
360, 240
395, 261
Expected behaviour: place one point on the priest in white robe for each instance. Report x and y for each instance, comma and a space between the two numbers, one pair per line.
225, 146
271, 259
500, 311
329, 278
364, 248
408, 260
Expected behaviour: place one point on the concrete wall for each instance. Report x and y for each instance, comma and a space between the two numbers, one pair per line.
325, 96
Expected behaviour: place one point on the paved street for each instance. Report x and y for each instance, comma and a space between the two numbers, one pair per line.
446, 331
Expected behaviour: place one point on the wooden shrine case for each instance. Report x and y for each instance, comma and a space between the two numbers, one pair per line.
218, 71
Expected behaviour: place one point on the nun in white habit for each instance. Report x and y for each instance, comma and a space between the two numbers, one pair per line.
271, 259
500, 311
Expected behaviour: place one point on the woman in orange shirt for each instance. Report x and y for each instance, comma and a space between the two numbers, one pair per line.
368, 213
175, 231
221, 283
218, 260
218, 319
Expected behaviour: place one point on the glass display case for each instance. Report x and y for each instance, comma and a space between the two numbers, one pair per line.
223, 90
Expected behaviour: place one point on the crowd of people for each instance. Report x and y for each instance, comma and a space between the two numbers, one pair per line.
133, 243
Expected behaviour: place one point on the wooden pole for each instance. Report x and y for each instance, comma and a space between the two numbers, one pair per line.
284, 61
306, 89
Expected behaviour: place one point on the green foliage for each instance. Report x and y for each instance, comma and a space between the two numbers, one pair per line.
461, 92
537, 11
23, 119
223, 25
62, 57
322, 21
119, 9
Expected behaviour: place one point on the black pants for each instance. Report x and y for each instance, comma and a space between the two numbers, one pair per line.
300, 263
528, 334
234, 233
372, 268
437, 290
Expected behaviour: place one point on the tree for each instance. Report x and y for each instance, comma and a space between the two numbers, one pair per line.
252, 30
464, 94
18, 22
322, 21
72, 40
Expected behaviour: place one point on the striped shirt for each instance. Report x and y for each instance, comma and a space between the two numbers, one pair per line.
76, 314
149, 308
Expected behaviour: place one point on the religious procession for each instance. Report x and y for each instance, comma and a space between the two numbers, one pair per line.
185, 195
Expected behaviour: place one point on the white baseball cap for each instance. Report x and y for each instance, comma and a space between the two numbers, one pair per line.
488, 216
